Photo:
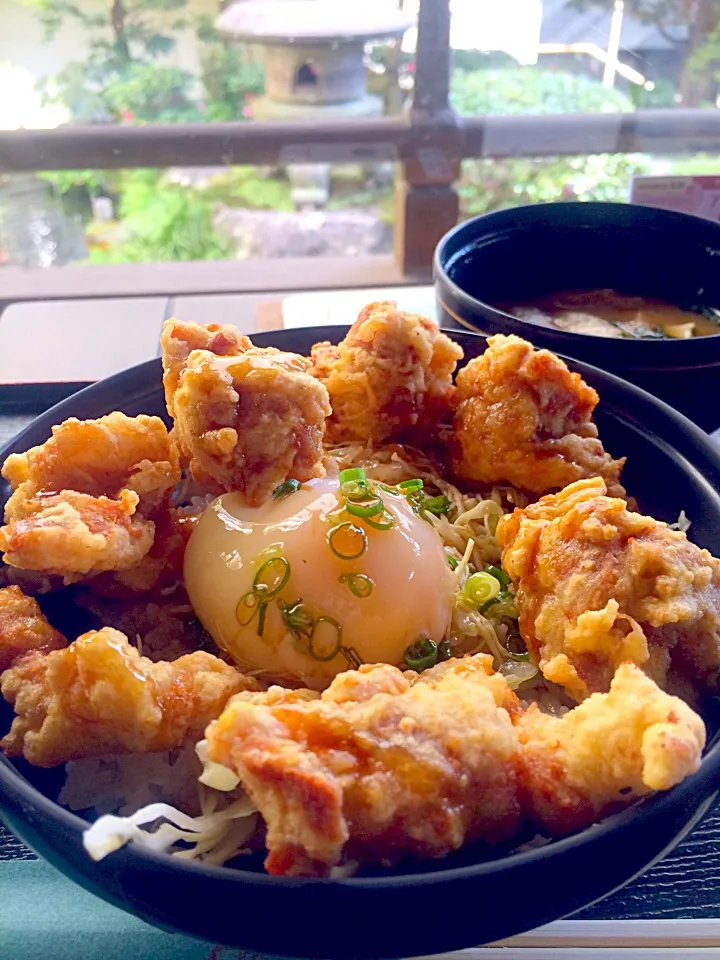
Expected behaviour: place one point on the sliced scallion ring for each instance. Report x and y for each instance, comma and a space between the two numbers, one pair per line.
480, 588
325, 639
437, 505
297, 617
262, 610
381, 521
410, 486
246, 608
352, 473
368, 509
271, 577
358, 583
499, 574
347, 541
285, 489
421, 654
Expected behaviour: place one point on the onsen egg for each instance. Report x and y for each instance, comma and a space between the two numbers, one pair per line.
269, 586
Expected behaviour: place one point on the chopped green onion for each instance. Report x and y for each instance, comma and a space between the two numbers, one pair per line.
325, 652
347, 541
444, 651
285, 489
421, 654
393, 490
353, 473
381, 521
365, 510
480, 588
520, 657
246, 608
357, 490
437, 505
499, 574
262, 610
408, 486
453, 561
297, 617
277, 572
358, 583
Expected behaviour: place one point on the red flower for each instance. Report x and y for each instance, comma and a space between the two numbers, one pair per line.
128, 116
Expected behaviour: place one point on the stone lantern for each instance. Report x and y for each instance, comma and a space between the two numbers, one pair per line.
313, 54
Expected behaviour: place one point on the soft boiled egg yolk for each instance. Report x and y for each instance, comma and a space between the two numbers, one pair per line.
271, 590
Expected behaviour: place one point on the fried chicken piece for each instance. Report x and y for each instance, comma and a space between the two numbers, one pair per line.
597, 584
381, 766
74, 535
522, 418
390, 377
83, 501
607, 752
250, 422
23, 627
180, 337
99, 696
100, 458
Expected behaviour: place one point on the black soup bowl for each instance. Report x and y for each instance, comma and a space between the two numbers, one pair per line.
475, 896
521, 254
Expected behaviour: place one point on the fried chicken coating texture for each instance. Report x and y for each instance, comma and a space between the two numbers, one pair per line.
597, 584
73, 534
99, 696
97, 457
384, 764
607, 752
390, 377
378, 767
82, 502
522, 418
250, 422
23, 628
180, 337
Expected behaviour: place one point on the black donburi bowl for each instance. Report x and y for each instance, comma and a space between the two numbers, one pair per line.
473, 897
515, 255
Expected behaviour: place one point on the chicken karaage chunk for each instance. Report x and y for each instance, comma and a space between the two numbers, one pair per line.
597, 585
180, 337
523, 418
385, 764
84, 501
411, 768
99, 696
250, 422
74, 535
23, 627
391, 377
606, 753
100, 458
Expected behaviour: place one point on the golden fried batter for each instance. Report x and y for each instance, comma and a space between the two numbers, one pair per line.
522, 418
385, 764
180, 337
401, 768
597, 584
74, 535
99, 696
604, 754
99, 458
250, 422
82, 501
23, 627
391, 376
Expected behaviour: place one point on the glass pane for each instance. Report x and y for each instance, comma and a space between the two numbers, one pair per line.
211, 213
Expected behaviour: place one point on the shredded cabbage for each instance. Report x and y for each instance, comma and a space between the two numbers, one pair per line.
215, 836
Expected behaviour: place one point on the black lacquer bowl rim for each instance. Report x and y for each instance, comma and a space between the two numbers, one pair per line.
487, 228
23, 803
